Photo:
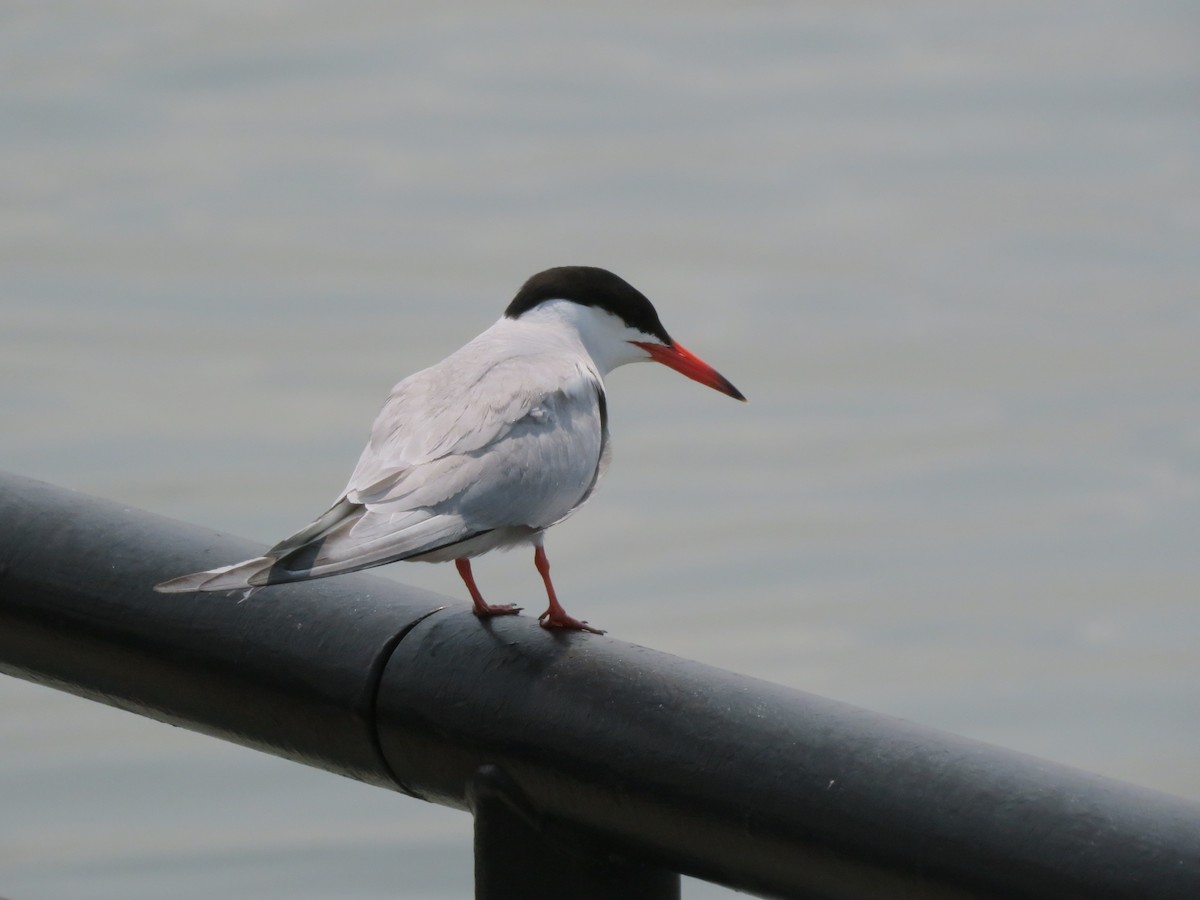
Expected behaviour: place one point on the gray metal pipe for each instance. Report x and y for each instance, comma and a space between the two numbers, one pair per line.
601, 748
291, 672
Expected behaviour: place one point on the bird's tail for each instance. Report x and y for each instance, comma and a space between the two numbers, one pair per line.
226, 578
273, 566
347, 538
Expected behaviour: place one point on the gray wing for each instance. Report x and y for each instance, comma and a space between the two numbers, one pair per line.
467, 447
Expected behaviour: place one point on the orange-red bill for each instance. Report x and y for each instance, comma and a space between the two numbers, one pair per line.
685, 362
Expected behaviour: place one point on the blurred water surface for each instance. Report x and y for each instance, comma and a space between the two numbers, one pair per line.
948, 251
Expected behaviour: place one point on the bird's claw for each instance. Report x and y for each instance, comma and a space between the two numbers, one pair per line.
567, 623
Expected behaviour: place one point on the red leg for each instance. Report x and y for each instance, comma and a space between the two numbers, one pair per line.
555, 616
482, 609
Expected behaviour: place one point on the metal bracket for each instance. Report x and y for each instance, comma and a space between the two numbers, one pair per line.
519, 856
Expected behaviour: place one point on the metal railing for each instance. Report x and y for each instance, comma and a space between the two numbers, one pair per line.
593, 768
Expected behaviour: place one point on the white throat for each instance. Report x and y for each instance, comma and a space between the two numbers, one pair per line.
603, 336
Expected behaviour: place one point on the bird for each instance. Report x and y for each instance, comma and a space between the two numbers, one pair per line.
487, 449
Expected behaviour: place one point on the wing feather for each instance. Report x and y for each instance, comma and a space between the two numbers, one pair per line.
494, 437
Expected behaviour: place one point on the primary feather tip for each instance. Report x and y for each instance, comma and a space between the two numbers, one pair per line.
227, 578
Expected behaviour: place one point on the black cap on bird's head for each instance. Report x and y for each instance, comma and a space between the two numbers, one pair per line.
600, 288
590, 286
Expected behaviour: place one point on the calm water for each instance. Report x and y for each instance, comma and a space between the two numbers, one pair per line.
950, 254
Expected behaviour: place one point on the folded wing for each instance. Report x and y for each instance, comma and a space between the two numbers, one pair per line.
460, 450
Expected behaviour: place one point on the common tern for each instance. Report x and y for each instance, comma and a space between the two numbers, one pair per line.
486, 449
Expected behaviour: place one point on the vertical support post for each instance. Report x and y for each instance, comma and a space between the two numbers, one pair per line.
515, 859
